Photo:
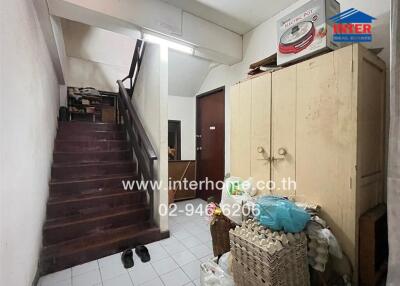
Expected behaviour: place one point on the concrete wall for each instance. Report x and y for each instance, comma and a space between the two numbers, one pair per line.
210, 40
52, 37
151, 99
186, 73
261, 43
28, 116
84, 73
183, 109
96, 57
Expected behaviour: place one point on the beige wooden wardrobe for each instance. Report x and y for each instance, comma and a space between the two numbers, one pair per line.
321, 123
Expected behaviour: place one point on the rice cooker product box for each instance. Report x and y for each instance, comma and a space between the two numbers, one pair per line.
306, 30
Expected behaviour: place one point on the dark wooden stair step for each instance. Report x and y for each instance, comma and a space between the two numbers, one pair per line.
70, 227
96, 156
102, 182
84, 170
96, 245
69, 205
93, 145
90, 135
82, 194
77, 126
89, 214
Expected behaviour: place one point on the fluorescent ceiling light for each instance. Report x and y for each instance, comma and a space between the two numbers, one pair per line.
169, 44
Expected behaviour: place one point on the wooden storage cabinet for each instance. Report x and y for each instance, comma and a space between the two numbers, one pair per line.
328, 115
260, 128
283, 126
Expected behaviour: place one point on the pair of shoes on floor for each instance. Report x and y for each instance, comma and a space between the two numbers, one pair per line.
127, 256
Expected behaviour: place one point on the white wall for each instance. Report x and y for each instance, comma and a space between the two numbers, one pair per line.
52, 37
62, 56
186, 73
60, 44
261, 43
84, 73
96, 57
183, 109
151, 100
29, 105
211, 41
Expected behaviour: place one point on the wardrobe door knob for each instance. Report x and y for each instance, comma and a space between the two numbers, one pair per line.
260, 149
282, 151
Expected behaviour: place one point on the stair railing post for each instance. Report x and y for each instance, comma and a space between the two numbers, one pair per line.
151, 195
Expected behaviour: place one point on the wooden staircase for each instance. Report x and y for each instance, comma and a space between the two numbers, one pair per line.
89, 214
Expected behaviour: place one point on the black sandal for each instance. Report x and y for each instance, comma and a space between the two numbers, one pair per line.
127, 258
143, 253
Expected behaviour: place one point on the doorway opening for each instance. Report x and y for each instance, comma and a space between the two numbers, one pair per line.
174, 139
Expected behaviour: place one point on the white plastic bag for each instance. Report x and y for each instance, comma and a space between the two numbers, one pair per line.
235, 194
213, 275
334, 247
225, 262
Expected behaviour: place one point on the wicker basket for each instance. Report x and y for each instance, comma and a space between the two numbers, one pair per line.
220, 234
254, 265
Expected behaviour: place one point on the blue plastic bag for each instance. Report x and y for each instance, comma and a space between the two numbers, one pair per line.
277, 213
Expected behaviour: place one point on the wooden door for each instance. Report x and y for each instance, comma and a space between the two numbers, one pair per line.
260, 147
210, 136
283, 134
240, 101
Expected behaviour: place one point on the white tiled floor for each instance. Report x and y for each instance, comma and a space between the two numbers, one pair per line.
174, 261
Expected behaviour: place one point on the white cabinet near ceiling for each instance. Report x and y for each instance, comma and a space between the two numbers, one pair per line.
320, 123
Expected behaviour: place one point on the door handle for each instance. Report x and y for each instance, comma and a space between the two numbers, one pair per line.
261, 151
199, 148
281, 151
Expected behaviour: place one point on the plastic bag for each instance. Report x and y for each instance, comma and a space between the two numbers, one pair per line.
236, 192
213, 275
225, 262
235, 186
280, 214
318, 231
334, 247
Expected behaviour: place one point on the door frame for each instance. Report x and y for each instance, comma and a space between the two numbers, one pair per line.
178, 143
198, 97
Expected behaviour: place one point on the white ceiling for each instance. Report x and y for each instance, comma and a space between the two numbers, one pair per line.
239, 16
185, 73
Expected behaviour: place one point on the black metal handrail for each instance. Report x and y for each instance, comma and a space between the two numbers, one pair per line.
135, 65
139, 141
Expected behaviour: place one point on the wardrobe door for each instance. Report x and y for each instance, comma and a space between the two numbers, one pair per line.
240, 129
325, 141
261, 128
283, 141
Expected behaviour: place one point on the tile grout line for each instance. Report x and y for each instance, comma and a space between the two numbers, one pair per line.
198, 259
187, 220
101, 276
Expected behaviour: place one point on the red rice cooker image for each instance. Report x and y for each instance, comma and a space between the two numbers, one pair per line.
297, 38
